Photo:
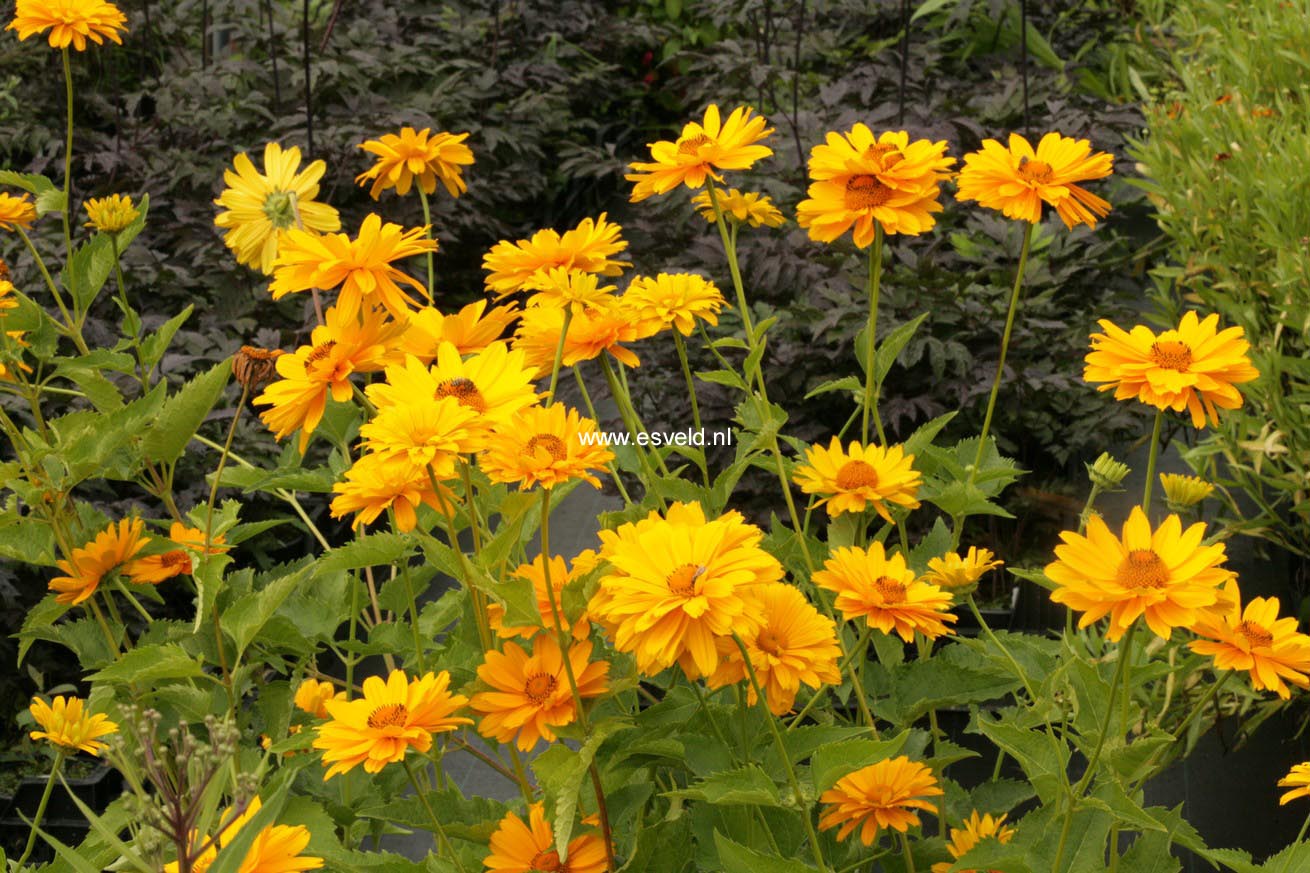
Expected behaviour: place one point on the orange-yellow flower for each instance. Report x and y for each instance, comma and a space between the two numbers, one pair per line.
312, 696
881, 795
671, 300
428, 432
379, 481
960, 574
1166, 575
88, 565
65, 722
1194, 367
275, 849
885, 593
545, 446
519, 847
858, 477
563, 288
587, 247
702, 150
1018, 180
976, 829
16, 211
71, 22
417, 155
560, 576
1298, 779
1256, 640
592, 333
470, 330
153, 569
111, 214
744, 207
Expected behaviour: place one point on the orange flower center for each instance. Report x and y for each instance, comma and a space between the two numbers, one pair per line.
391, 715
1255, 634
1171, 354
692, 147
176, 560
769, 641
1031, 170
464, 391
866, 192
539, 687
553, 445
1142, 569
321, 351
548, 862
856, 474
886, 154
682, 581
892, 591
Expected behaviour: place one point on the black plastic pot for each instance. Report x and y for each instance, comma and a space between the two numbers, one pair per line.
63, 820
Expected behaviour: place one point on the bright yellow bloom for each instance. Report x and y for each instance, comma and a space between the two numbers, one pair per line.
587, 247
860, 180
428, 432
1167, 575
881, 795
275, 849
377, 482
545, 446
561, 575
960, 574
794, 644
363, 267
1256, 640
1018, 180
701, 151
71, 22
1181, 491
470, 330
519, 847
312, 696
421, 155
1194, 367
65, 722
1298, 779
562, 288
111, 214
858, 477
153, 569
976, 829
261, 206
88, 565
592, 333
16, 211
748, 207
530, 693
391, 718
671, 299
885, 593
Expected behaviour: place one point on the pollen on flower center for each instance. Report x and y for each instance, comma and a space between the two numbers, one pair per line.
391, 715
866, 192
692, 146
1143, 568
1035, 171
320, 351
280, 209
548, 862
463, 390
891, 590
176, 558
553, 445
769, 641
1171, 354
682, 581
1255, 634
857, 474
539, 687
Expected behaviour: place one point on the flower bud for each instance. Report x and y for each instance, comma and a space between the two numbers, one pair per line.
1106, 473
1181, 492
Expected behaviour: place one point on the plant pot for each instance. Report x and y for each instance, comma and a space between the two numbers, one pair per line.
63, 820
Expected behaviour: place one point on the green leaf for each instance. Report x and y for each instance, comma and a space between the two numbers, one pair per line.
233, 854
154, 345
845, 383
928, 7
955, 675
745, 785
1043, 762
183, 413
561, 770
370, 550
32, 183
835, 760
146, 665
102, 830
737, 858
208, 576
890, 346
245, 618
89, 269
926, 433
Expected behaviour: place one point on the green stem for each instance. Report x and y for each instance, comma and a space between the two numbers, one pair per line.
218, 472
616, 391
1150, 461
45, 796
130, 316
591, 410
730, 251
1286, 864
432, 816
559, 352
909, 856
71, 328
421, 659
858, 651
68, 162
870, 384
427, 234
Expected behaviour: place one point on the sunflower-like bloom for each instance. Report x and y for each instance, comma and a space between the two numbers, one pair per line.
743, 207
111, 214
391, 718
592, 333
1298, 779
881, 795
530, 692
1018, 180
1194, 367
587, 247
860, 180
417, 155
153, 569
671, 299
1256, 640
71, 22
1181, 491
261, 206
275, 849
976, 829
379, 481
16, 211
562, 288
427, 431
858, 477
312, 696
519, 847
363, 267
545, 446
344, 345
65, 722
703, 150
88, 565
470, 330
960, 574
1166, 575
561, 575
677, 586
794, 644
885, 593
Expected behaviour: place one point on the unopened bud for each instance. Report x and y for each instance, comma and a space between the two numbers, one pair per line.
1182, 492
1106, 473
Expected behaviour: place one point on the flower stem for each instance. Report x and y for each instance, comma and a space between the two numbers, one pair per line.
1150, 461
870, 383
1287, 865
436, 823
68, 163
909, 856
427, 234
72, 330
591, 410
45, 795
559, 353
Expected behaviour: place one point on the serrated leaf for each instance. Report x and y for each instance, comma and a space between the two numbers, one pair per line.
745, 785
88, 270
32, 183
154, 345
245, 618
737, 858
835, 760
146, 665
845, 383
890, 346
561, 770
370, 550
183, 413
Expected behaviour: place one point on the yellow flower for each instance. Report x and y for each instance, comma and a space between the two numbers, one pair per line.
976, 829
1183, 491
545, 446
1018, 180
671, 299
1194, 367
587, 247
70, 21
16, 336
363, 267
420, 155
793, 644
960, 574
858, 477
592, 333
519, 847
470, 330
884, 591
65, 722
427, 431
153, 569
702, 149
391, 718
261, 206
275, 849
7, 289
111, 214
748, 207
1167, 575
16, 211
312, 696
1256, 640
531, 694
88, 565
560, 577
860, 180
881, 795
388, 480
563, 288
1298, 779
